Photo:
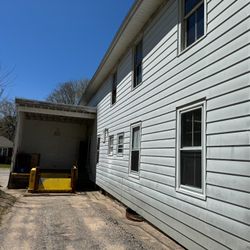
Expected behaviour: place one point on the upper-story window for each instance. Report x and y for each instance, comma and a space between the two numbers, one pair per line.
193, 22
137, 64
114, 88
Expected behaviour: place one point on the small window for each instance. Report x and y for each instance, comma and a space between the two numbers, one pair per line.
114, 88
137, 64
111, 145
98, 150
120, 141
191, 151
193, 22
135, 148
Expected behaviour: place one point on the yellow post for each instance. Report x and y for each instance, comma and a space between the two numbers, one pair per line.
32, 181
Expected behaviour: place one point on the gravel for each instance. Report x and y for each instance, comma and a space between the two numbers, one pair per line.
83, 221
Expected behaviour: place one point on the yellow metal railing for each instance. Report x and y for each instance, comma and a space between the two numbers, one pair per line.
52, 182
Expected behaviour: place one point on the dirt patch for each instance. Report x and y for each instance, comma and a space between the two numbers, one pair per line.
82, 221
6, 202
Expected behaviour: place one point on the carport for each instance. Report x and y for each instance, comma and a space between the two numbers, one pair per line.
52, 137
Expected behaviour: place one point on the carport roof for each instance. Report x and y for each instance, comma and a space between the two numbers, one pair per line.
54, 109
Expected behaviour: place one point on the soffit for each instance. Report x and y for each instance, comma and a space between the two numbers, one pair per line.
139, 14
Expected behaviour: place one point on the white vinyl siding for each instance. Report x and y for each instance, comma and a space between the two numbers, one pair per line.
215, 69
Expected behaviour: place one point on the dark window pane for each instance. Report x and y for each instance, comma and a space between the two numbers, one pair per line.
120, 149
137, 75
120, 144
197, 127
138, 53
186, 129
189, 5
120, 139
193, 21
114, 84
138, 64
114, 95
136, 138
97, 149
191, 168
190, 29
135, 160
191, 128
200, 22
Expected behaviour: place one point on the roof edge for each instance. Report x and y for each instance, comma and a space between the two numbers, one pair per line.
133, 10
51, 105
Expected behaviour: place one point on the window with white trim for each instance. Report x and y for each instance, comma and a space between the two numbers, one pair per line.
111, 145
193, 21
191, 148
120, 142
135, 148
138, 64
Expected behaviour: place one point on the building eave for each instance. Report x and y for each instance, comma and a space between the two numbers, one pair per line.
55, 109
135, 20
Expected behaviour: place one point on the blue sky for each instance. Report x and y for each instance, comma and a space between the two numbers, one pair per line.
52, 41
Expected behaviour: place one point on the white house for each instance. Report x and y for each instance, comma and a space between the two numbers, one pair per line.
170, 137
172, 97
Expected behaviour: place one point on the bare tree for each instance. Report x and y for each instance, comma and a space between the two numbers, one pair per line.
7, 107
5, 78
7, 118
69, 92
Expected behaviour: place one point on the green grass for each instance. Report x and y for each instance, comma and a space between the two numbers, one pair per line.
4, 165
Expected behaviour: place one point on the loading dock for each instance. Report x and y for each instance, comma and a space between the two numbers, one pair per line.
53, 137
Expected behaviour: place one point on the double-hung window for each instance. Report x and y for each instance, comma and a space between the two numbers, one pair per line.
120, 142
191, 149
114, 88
138, 64
135, 148
193, 21
98, 149
111, 145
